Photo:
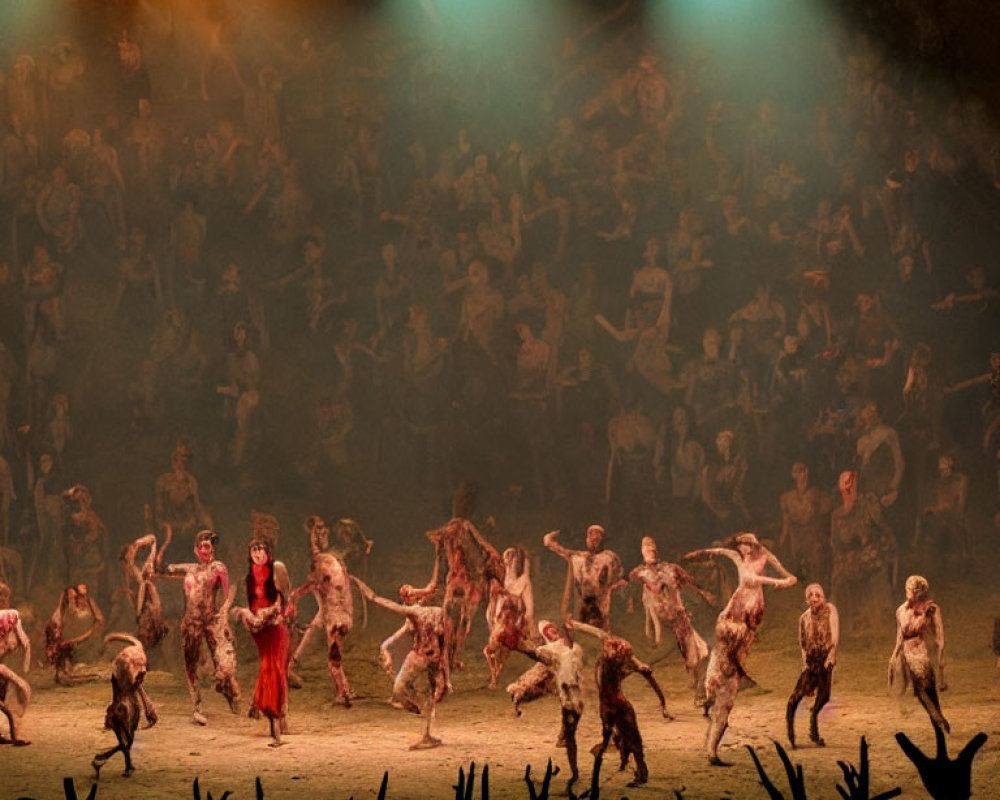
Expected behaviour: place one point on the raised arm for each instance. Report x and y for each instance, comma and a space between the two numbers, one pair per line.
95, 626
439, 555
528, 596
551, 541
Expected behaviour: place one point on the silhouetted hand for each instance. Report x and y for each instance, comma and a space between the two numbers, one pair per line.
858, 781
794, 772
944, 778
543, 793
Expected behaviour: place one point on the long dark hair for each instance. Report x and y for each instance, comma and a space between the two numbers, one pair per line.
270, 589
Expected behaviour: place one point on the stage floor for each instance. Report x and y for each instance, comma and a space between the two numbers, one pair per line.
338, 753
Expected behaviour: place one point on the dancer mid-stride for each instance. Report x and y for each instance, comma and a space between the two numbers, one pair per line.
428, 655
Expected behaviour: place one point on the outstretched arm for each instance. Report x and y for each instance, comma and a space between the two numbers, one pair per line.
176, 571
573, 625
371, 597
781, 583
708, 552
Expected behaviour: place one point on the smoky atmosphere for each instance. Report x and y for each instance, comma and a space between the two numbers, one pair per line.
513, 399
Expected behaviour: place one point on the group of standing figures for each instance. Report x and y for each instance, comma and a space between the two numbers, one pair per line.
468, 573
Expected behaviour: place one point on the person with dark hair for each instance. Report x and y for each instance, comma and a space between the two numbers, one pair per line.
267, 587
206, 621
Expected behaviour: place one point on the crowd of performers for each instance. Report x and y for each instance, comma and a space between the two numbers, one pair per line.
468, 574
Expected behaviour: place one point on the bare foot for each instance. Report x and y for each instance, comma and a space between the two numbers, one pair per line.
426, 742
276, 743
22, 742
200, 718
715, 761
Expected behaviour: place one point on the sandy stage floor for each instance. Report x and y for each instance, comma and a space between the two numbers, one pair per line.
337, 753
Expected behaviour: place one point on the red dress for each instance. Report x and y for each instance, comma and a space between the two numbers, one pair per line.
270, 696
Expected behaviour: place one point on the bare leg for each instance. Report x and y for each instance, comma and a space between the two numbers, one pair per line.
7, 677
798, 693
534, 683
192, 646
335, 665
427, 741
700, 700
822, 697
927, 695
219, 638
570, 719
496, 656
404, 693
275, 732
631, 744
722, 700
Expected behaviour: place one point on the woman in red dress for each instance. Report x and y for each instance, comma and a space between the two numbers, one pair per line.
267, 587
